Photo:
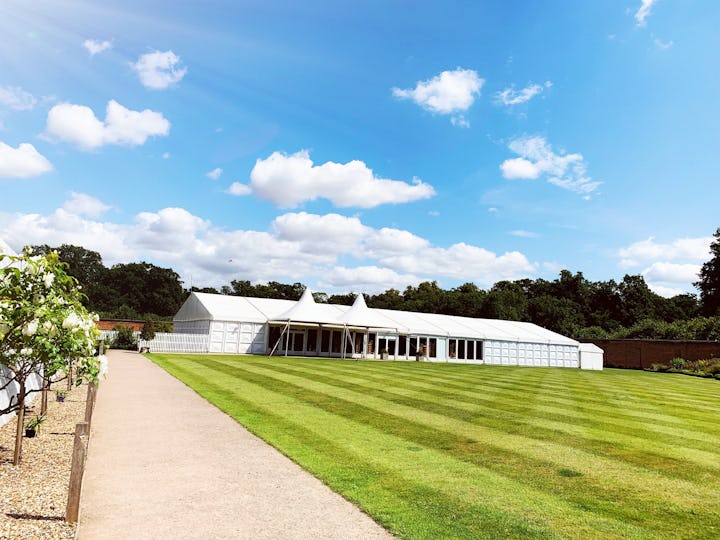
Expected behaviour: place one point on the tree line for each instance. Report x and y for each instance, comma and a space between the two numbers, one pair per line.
570, 304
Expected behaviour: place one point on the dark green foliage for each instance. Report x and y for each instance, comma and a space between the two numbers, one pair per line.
677, 363
709, 283
148, 331
125, 338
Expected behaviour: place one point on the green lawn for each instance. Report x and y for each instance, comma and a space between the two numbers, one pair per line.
452, 451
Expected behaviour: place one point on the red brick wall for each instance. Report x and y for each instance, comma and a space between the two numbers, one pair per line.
643, 353
110, 324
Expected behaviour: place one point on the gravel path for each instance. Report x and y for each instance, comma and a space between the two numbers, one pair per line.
164, 463
33, 495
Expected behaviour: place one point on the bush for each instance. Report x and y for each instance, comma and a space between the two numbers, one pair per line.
148, 331
678, 363
125, 338
659, 367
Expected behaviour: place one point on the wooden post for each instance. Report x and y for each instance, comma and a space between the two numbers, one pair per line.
90, 403
20, 427
76, 472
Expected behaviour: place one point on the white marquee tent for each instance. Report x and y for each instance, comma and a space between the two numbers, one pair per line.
236, 324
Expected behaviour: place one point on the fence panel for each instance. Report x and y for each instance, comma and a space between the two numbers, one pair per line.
179, 343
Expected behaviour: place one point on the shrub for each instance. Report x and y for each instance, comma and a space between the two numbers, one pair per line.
659, 367
148, 331
678, 363
125, 338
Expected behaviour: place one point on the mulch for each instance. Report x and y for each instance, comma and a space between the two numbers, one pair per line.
34, 494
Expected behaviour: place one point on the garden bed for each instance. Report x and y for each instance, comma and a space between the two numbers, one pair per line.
33, 495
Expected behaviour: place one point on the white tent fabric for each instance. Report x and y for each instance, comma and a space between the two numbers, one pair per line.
203, 306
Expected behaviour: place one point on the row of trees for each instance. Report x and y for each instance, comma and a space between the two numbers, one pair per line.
123, 291
45, 332
570, 304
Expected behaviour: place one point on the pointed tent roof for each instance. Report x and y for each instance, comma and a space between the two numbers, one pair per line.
306, 310
361, 315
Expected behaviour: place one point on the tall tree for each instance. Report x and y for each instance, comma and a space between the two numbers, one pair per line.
709, 283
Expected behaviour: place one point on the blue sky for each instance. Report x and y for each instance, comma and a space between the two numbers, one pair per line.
357, 146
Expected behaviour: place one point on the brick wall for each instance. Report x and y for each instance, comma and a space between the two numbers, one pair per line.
110, 324
643, 353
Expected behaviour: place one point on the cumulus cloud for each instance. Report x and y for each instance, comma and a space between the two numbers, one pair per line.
22, 162
370, 279
669, 268
84, 205
644, 251
16, 98
537, 158
643, 11
450, 92
510, 96
331, 249
289, 180
158, 70
78, 125
215, 173
95, 46
238, 189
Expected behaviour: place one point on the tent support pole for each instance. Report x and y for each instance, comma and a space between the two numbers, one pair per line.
272, 351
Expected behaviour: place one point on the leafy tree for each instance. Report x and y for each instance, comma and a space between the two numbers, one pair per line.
506, 300
709, 283
148, 330
390, 299
558, 314
125, 338
44, 329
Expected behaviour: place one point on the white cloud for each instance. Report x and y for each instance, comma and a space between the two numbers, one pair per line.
158, 70
84, 205
330, 233
369, 279
16, 98
95, 46
450, 92
689, 249
215, 173
663, 45
510, 96
643, 11
331, 249
524, 234
669, 268
78, 125
166, 155
537, 157
238, 189
288, 180
519, 168
22, 162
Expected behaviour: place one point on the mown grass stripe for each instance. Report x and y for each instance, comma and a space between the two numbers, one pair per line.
442, 472
519, 401
590, 402
403, 422
675, 447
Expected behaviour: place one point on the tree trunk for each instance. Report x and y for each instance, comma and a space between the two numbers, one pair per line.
20, 424
44, 399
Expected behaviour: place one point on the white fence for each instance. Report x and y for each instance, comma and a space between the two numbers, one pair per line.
176, 343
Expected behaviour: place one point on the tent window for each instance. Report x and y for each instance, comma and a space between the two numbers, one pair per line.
358, 342
273, 336
412, 346
336, 342
479, 350
452, 348
461, 349
402, 346
471, 350
432, 347
371, 343
325, 341
312, 340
